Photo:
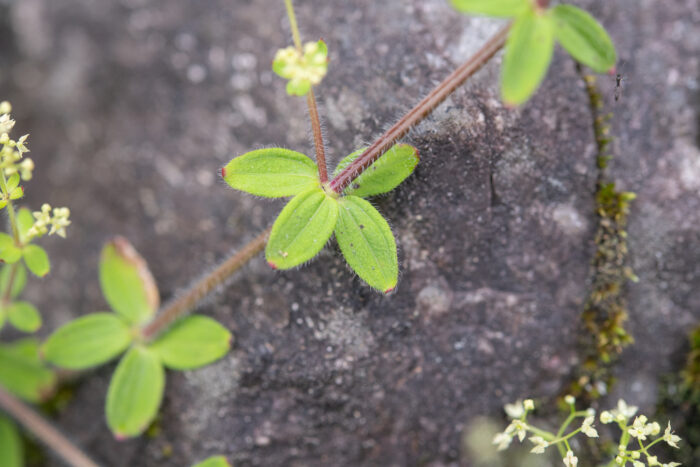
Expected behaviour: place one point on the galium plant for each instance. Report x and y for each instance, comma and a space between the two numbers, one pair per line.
317, 209
638, 430
22, 373
136, 388
535, 29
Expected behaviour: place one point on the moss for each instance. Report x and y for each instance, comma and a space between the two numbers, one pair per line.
605, 310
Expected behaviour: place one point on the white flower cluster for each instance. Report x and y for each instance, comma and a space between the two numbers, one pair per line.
640, 429
12, 159
58, 221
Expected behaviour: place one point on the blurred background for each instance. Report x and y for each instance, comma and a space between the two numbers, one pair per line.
134, 105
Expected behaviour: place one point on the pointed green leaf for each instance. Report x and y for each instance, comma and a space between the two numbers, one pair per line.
528, 52
22, 373
12, 182
127, 283
17, 193
11, 450
19, 280
23, 316
25, 220
367, 243
36, 259
273, 173
383, 175
87, 341
502, 8
584, 38
193, 342
302, 229
9, 252
215, 461
135, 393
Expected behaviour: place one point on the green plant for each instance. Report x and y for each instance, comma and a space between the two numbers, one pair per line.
316, 210
136, 389
530, 44
640, 431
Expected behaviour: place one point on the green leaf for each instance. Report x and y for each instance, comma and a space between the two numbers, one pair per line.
384, 174
25, 220
273, 173
502, 8
214, 461
528, 52
12, 182
193, 342
87, 341
11, 449
302, 229
367, 243
9, 252
36, 259
135, 393
22, 373
18, 282
127, 284
24, 316
584, 38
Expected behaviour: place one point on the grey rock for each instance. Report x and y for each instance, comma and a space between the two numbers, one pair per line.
134, 105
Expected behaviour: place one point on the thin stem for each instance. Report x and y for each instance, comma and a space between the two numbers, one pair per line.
318, 137
44, 431
420, 111
293, 23
203, 287
310, 101
7, 293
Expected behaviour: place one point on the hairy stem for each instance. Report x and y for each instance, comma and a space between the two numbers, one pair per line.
310, 101
420, 111
203, 287
318, 137
50, 436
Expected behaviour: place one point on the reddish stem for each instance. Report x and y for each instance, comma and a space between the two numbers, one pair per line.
318, 137
420, 111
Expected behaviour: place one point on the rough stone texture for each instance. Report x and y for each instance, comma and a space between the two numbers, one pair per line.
133, 106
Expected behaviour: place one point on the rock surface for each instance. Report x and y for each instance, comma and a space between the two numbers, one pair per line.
133, 106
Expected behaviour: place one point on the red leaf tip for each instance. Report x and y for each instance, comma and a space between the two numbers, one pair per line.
389, 290
223, 172
272, 265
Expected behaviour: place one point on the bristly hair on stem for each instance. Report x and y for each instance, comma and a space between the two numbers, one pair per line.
310, 102
420, 111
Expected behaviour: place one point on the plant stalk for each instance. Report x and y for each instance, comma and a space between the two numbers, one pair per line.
310, 101
49, 435
203, 287
318, 137
420, 111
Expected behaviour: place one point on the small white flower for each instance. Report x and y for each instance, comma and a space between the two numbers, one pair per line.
606, 417
652, 460
587, 427
671, 464
514, 410
638, 464
540, 444
670, 438
570, 460
529, 404
624, 411
502, 440
638, 428
569, 399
